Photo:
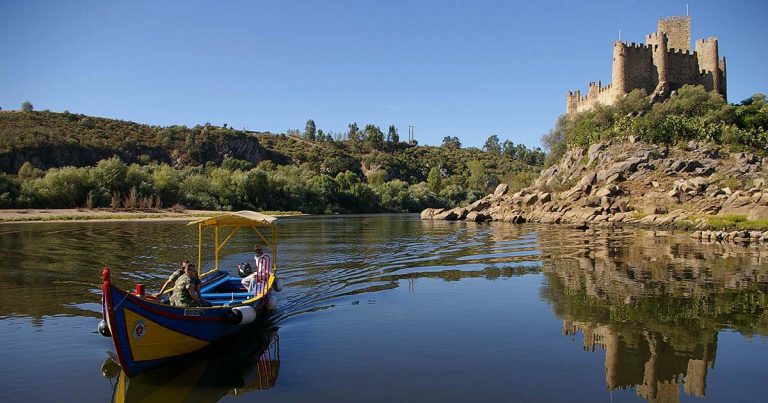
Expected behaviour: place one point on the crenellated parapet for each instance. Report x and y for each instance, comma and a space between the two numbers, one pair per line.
664, 63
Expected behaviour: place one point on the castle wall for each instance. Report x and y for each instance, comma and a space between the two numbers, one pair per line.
678, 30
666, 57
682, 68
639, 70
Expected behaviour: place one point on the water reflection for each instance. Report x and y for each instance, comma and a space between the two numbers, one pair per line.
648, 307
244, 364
654, 304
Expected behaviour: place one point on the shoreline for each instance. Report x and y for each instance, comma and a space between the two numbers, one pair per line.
17, 216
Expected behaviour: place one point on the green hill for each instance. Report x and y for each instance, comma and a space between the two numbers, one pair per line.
56, 160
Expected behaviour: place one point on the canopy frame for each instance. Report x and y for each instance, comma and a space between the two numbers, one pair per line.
235, 221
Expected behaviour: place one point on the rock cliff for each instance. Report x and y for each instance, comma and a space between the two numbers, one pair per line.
631, 182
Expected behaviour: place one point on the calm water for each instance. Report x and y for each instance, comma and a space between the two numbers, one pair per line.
392, 308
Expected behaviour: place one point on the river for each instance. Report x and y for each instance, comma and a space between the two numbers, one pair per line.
392, 308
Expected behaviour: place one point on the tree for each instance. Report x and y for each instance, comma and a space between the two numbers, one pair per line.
478, 177
555, 142
26, 106
310, 130
492, 145
374, 136
451, 142
354, 132
508, 149
434, 181
392, 136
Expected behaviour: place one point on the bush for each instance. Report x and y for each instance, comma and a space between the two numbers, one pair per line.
691, 113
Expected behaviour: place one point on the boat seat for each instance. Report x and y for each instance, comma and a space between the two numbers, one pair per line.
226, 295
222, 302
214, 284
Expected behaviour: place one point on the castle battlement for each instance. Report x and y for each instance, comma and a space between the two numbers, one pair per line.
664, 63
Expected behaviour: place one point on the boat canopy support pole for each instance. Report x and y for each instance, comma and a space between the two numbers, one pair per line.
216, 247
224, 242
199, 248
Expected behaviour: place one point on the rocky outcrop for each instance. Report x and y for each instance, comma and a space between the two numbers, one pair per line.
615, 183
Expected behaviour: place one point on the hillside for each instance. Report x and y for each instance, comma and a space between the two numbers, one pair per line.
710, 176
64, 160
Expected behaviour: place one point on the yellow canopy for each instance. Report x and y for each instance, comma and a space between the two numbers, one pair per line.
243, 218
235, 220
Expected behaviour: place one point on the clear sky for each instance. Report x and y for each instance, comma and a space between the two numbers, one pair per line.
469, 69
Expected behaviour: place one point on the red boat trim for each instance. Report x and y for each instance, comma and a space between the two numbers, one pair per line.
107, 295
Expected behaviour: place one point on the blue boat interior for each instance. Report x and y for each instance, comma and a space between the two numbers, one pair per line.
223, 289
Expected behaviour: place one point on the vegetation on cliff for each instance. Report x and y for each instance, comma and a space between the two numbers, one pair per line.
61, 160
691, 113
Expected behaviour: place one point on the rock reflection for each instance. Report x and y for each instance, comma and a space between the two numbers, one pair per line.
244, 364
654, 303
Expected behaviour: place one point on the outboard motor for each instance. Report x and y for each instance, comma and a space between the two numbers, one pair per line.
244, 269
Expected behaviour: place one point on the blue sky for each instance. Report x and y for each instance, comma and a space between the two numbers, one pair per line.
469, 69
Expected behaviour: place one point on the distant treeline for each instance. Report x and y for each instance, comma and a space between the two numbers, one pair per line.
691, 113
209, 167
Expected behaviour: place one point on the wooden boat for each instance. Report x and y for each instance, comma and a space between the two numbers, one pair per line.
148, 332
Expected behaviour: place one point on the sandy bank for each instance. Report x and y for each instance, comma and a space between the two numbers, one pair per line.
54, 215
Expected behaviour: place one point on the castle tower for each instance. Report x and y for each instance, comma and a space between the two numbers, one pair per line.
678, 30
618, 70
664, 64
659, 50
709, 62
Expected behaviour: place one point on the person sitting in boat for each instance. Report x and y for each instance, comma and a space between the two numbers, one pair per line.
173, 277
260, 271
186, 290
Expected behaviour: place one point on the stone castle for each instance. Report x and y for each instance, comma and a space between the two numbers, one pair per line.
664, 64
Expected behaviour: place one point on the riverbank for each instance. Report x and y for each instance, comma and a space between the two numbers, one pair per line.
696, 186
53, 215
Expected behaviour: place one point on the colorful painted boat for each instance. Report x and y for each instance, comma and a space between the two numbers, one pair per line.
148, 332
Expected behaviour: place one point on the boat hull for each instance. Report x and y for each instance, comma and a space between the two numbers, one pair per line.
148, 333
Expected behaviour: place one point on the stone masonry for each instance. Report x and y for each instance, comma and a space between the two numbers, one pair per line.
663, 64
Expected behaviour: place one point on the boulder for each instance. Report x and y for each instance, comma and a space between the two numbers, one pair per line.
692, 166
611, 190
704, 171
501, 190
476, 217
587, 181
479, 205
758, 213
594, 151
449, 215
429, 214
606, 202
620, 205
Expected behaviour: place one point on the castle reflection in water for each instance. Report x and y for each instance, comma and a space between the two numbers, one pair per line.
654, 304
